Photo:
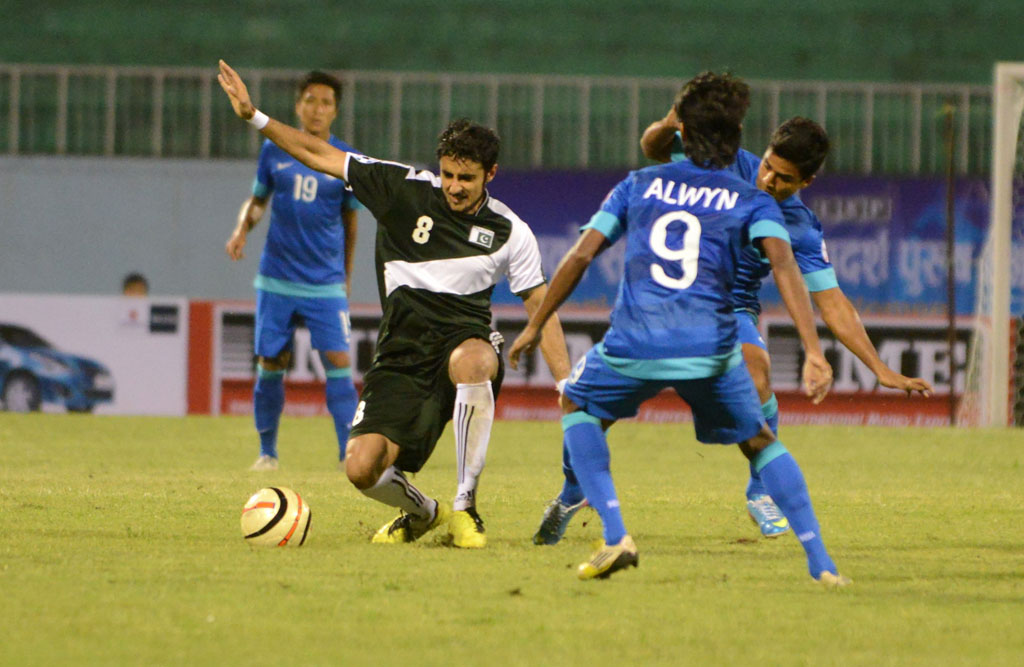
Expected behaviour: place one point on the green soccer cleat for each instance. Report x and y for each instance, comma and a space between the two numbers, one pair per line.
555, 520
766, 514
467, 529
408, 528
832, 581
608, 560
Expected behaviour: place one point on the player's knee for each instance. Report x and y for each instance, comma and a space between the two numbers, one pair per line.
360, 472
278, 363
753, 446
333, 359
567, 404
473, 361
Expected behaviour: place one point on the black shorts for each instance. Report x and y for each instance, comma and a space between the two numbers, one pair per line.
411, 406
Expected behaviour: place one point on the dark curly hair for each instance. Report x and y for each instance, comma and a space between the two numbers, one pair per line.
465, 140
803, 142
314, 77
711, 107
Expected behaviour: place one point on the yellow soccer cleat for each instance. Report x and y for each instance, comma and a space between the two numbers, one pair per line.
408, 528
607, 560
831, 581
467, 529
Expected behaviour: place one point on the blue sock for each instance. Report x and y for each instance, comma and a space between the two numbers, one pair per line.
572, 492
770, 410
268, 403
341, 402
588, 451
786, 486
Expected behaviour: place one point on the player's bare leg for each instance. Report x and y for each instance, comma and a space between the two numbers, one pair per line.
370, 467
471, 367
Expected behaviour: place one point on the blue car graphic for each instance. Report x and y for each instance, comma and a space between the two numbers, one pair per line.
32, 372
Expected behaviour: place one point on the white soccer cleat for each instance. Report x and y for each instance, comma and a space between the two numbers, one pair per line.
832, 581
264, 462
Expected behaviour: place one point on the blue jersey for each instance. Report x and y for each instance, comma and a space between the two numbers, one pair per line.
685, 230
305, 250
805, 235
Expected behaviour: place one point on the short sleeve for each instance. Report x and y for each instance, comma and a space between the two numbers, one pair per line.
524, 267
263, 184
810, 251
766, 219
610, 220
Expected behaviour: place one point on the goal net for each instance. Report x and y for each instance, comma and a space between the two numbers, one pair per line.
994, 383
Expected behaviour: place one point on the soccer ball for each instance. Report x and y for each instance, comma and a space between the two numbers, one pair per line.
276, 517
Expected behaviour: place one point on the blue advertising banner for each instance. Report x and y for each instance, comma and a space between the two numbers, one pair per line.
885, 237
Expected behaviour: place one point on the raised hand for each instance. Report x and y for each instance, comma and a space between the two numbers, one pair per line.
236, 91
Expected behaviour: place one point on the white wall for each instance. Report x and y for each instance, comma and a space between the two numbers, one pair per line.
77, 225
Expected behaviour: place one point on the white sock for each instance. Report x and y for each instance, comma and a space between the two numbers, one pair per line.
472, 419
394, 489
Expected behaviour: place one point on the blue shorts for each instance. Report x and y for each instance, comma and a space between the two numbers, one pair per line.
725, 407
748, 331
277, 316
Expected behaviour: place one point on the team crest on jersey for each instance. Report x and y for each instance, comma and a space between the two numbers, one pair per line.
481, 237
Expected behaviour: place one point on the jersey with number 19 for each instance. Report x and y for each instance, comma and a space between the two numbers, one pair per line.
685, 228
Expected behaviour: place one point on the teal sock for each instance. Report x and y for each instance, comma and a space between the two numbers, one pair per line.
786, 485
591, 461
770, 410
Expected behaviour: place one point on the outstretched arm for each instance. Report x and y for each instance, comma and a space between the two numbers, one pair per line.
570, 270
311, 151
817, 374
842, 319
552, 339
250, 214
656, 142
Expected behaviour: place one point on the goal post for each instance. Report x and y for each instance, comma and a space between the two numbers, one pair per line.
991, 367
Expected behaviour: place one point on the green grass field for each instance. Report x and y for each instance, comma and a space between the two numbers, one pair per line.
121, 545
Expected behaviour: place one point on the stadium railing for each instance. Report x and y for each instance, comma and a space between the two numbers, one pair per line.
545, 121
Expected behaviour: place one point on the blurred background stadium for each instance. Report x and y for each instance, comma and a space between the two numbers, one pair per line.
117, 151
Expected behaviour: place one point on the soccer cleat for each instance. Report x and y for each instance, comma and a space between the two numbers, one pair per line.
557, 516
766, 514
467, 529
264, 462
608, 560
408, 528
830, 581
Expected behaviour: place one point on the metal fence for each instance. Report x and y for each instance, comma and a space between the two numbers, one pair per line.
545, 121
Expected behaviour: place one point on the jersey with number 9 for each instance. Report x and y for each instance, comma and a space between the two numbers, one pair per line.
685, 228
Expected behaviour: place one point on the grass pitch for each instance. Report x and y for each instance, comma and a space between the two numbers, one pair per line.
121, 545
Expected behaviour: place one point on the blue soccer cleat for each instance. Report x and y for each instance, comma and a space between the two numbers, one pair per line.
555, 520
766, 514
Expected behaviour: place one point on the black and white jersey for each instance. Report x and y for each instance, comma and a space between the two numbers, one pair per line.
437, 268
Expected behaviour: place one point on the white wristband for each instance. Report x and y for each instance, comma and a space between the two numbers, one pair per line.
560, 385
259, 119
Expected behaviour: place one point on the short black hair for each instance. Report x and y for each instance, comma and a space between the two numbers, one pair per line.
711, 107
803, 142
134, 278
314, 77
466, 140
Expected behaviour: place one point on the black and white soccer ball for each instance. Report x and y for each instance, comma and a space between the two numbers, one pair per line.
276, 517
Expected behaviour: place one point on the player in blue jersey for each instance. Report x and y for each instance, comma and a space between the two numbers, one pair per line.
795, 153
304, 273
685, 226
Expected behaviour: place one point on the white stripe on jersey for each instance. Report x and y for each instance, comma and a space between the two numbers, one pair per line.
461, 275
